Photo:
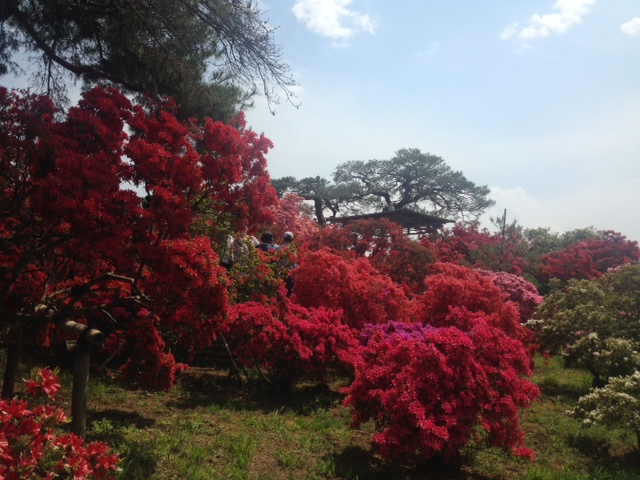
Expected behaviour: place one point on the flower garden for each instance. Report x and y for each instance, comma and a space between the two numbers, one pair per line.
110, 218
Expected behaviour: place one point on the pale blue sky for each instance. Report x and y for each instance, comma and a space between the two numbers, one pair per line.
539, 100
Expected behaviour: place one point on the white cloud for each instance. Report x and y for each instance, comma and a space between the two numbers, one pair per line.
519, 205
632, 27
569, 13
603, 205
333, 18
509, 31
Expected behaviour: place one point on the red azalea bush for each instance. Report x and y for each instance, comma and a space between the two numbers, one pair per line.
32, 448
589, 258
147, 365
334, 238
325, 279
407, 264
474, 247
104, 208
431, 391
385, 245
292, 214
456, 286
289, 341
518, 290
390, 251
195, 298
372, 238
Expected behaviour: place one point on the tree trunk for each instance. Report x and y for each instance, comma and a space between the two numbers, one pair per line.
81, 363
7, 9
319, 208
11, 369
234, 365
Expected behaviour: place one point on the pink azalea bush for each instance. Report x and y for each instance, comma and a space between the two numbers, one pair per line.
518, 290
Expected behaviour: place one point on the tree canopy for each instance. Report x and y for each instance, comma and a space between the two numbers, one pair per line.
210, 55
319, 190
78, 242
411, 179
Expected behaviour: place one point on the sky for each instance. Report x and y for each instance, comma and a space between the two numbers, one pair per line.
538, 100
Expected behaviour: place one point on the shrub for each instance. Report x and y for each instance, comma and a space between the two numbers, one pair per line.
454, 286
290, 342
325, 279
148, 366
617, 404
430, 391
589, 258
109, 206
606, 357
518, 290
31, 446
478, 248
385, 245
594, 321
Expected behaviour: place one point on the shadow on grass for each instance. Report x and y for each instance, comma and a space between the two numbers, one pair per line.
594, 448
211, 387
139, 462
632, 459
121, 418
552, 387
359, 463
138, 458
609, 463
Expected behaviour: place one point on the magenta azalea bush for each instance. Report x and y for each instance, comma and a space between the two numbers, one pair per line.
430, 391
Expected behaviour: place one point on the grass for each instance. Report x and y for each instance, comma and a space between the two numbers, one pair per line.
564, 448
208, 428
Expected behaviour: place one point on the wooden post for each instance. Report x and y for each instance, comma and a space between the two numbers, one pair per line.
91, 335
81, 363
11, 368
88, 338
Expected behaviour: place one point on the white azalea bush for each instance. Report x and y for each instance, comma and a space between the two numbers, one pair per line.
595, 322
606, 357
616, 404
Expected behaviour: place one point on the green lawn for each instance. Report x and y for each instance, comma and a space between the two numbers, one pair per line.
209, 428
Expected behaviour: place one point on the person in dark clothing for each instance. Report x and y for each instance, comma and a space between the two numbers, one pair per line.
266, 242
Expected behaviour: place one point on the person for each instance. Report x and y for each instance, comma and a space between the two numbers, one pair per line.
287, 240
241, 244
288, 243
266, 242
226, 252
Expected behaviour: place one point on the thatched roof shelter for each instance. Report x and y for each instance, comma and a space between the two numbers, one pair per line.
413, 222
